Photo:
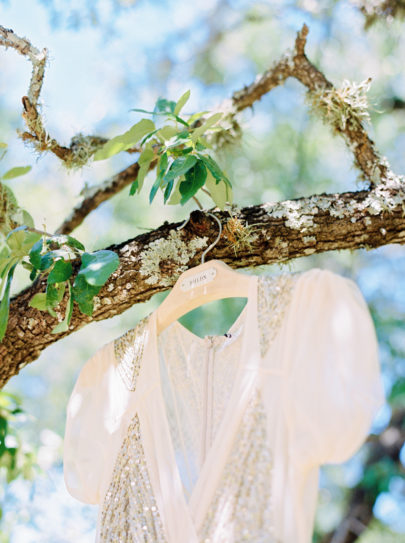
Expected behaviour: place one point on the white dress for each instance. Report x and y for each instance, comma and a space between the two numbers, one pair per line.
183, 439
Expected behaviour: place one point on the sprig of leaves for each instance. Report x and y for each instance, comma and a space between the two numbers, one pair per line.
41, 253
181, 150
55, 256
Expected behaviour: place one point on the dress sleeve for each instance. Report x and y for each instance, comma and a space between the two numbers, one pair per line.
335, 380
87, 427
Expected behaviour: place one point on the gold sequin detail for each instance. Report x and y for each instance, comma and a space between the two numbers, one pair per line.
128, 350
130, 513
241, 509
273, 298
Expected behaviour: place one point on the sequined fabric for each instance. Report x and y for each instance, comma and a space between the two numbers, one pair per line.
128, 350
240, 510
129, 513
273, 298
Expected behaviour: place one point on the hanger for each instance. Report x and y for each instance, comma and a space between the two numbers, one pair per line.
204, 283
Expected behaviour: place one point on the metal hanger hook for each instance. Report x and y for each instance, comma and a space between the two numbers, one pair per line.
214, 242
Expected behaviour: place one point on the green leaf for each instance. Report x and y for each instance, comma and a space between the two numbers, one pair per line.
145, 158
86, 307
27, 265
16, 172
154, 189
61, 271
167, 132
179, 120
75, 243
168, 190
164, 106
3, 145
134, 187
64, 325
97, 267
21, 241
126, 140
214, 169
167, 113
181, 102
35, 254
176, 196
196, 116
140, 110
204, 127
148, 136
33, 274
63, 239
38, 301
184, 134
220, 192
194, 180
5, 303
84, 293
180, 166
51, 296
46, 261
162, 166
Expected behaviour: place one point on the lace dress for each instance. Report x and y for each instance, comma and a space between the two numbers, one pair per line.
182, 439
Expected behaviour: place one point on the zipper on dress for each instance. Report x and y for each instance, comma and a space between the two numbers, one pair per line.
207, 400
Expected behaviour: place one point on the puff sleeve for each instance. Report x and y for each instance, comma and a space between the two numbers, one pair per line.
334, 381
88, 427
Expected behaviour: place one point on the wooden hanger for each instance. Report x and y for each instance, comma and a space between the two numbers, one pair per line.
209, 281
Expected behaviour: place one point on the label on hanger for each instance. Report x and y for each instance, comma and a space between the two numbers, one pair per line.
198, 279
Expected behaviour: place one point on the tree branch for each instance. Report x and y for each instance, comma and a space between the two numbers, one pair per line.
321, 94
81, 147
262, 234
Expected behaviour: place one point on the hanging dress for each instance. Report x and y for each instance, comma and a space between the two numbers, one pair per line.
183, 439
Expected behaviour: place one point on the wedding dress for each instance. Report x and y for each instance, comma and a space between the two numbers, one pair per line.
182, 439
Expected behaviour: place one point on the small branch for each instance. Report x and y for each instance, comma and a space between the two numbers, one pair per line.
42, 232
99, 194
37, 57
197, 201
81, 147
296, 64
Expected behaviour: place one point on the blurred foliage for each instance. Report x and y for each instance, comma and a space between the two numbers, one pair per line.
17, 459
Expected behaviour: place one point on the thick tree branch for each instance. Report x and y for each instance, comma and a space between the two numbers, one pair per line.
253, 236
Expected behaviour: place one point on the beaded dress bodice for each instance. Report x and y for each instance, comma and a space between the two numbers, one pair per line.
198, 374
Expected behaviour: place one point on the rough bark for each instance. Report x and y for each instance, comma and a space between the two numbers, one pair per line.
253, 236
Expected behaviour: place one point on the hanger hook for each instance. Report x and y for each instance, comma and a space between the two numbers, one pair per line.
214, 242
